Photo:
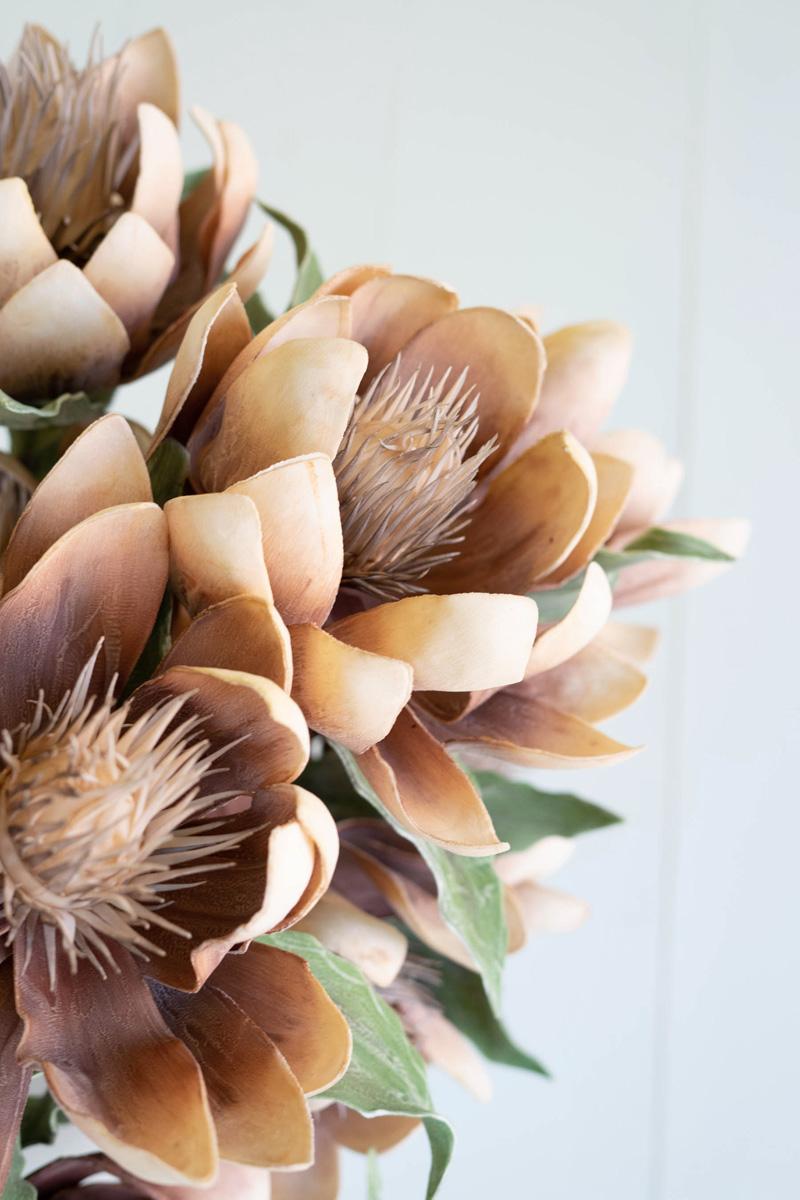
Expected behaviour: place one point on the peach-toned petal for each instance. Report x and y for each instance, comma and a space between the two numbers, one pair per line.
442, 1044
58, 334
258, 1106
159, 181
215, 550
345, 282
533, 514
427, 792
113, 1066
280, 994
233, 203
298, 507
295, 400
506, 362
653, 580
113, 567
656, 476
376, 946
25, 249
594, 684
547, 910
636, 643
148, 74
453, 643
359, 1133
517, 729
351, 696
101, 468
614, 479
14, 1078
251, 267
545, 857
130, 270
320, 1181
587, 366
389, 310
218, 331
578, 628
244, 633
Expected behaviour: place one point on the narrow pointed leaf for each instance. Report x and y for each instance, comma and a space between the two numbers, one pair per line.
522, 814
309, 273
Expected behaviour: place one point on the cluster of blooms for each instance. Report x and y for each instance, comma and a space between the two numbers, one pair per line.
375, 547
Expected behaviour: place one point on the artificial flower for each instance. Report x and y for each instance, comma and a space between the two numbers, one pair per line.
141, 840
101, 261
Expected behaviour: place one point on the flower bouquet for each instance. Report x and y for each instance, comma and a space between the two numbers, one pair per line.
275, 676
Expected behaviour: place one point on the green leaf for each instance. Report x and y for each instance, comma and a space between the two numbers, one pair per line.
258, 314
657, 543
464, 1002
40, 1121
326, 777
374, 1189
522, 814
469, 891
554, 604
191, 179
156, 648
168, 467
309, 273
16, 1187
386, 1073
72, 408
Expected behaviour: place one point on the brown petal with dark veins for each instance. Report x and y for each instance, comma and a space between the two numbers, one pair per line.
113, 1066
103, 467
103, 579
14, 1078
244, 633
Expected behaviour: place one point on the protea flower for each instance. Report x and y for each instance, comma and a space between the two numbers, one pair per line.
101, 263
143, 839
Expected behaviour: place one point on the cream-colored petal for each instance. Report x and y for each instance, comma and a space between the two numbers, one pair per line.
350, 695
544, 858
298, 507
506, 362
345, 282
662, 577
389, 310
427, 792
233, 203
130, 269
614, 481
587, 366
218, 331
533, 514
215, 550
148, 74
594, 684
442, 1044
546, 910
656, 476
376, 946
453, 643
244, 633
635, 643
57, 334
578, 628
159, 181
25, 249
296, 400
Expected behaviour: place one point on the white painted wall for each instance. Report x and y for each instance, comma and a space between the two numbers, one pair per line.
635, 160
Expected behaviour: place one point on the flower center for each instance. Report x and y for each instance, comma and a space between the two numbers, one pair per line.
59, 132
405, 479
100, 820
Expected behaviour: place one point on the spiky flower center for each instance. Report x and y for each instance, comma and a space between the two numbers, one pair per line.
60, 133
101, 819
405, 479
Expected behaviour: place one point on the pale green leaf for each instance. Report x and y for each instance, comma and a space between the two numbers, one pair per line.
386, 1074
522, 814
16, 1187
658, 543
72, 408
374, 1189
309, 274
469, 892
168, 467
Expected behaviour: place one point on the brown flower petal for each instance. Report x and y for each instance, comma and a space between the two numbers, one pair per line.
103, 467
14, 1078
258, 1106
244, 633
345, 282
376, 946
389, 310
506, 363
454, 643
148, 74
216, 334
298, 507
533, 514
427, 792
113, 1066
656, 476
239, 179
215, 550
614, 480
159, 181
25, 249
320, 1181
593, 685
295, 400
113, 567
347, 694
662, 577
130, 269
635, 643
56, 332
281, 996
578, 628
362, 1134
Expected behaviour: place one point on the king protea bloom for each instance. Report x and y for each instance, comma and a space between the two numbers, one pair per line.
101, 262
143, 839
